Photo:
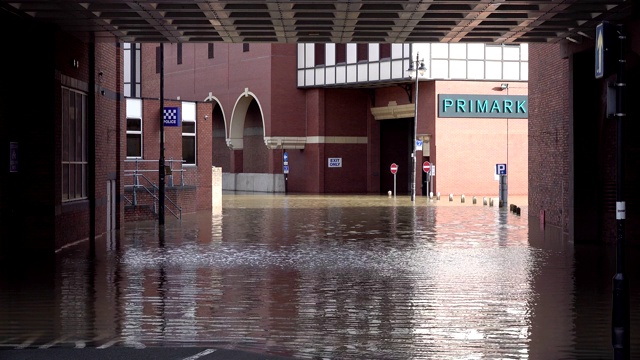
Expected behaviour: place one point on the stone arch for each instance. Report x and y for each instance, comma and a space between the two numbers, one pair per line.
235, 140
220, 156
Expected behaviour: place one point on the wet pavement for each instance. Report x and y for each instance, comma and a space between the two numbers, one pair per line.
314, 277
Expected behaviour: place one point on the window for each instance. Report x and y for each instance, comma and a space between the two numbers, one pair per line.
362, 52
189, 133
341, 53
134, 137
245, 47
319, 52
74, 145
385, 51
210, 51
132, 70
179, 53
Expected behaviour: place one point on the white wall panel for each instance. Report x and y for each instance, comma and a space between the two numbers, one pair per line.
440, 69
352, 53
374, 71
458, 51
309, 53
309, 77
374, 52
458, 69
301, 78
330, 54
475, 69
341, 72
493, 52
363, 72
301, 55
320, 76
385, 70
331, 75
511, 70
511, 53
351, 73
524, 71
493, 70
397, 69
396, 51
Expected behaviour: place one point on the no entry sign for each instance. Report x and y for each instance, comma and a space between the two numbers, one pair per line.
394, 168
426, 166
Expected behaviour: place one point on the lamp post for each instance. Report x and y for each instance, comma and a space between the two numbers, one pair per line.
419, 64
505, 178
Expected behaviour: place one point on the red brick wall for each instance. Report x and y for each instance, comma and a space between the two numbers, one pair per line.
549, 99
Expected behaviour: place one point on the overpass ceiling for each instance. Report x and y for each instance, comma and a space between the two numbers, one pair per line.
337, 21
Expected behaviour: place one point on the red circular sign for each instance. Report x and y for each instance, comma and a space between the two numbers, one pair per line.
394, 168
426, 166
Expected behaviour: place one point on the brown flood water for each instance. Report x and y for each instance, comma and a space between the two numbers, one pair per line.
312, 276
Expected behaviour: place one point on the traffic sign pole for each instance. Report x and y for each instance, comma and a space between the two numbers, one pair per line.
394, 170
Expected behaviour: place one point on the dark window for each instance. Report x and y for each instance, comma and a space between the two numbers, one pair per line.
341, 53
319, 54
74, 145
158, 60
245, 47
134, 137
179, 53
385, 51
363, 52
210, 51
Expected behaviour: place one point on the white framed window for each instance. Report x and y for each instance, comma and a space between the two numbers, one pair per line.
74, 145
134, 128
134, 138
189, 145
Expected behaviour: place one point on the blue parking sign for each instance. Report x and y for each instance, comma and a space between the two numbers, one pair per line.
501, 169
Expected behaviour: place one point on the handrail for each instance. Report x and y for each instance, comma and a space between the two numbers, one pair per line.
137, 172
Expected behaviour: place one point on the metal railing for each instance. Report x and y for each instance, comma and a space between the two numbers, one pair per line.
149, 187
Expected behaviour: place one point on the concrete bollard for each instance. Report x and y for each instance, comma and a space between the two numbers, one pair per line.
490, 201
474, 200
431, 195
462, 198
389, 193
450, 197
438, 198
484, 201
517, 210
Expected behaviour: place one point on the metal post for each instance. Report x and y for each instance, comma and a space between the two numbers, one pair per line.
161, 172
413, 137
620, 314
394, 185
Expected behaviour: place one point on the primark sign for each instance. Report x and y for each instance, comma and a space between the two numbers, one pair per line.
483, 106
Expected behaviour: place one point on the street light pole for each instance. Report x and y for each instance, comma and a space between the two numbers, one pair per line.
412, 71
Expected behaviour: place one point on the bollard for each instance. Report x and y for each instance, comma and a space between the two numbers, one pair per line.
490, 201
450, 197
431, 195
517, 211
462, 198
438, 195
500, 203
474, 200
389, 193
484, 201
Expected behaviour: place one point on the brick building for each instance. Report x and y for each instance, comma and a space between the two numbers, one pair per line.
271, 99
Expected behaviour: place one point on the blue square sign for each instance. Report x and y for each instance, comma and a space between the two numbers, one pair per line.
501, 169
171, 116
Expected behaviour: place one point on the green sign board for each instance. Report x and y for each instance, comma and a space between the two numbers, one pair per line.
483, 106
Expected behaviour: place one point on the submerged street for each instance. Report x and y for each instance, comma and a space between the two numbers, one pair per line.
315, 277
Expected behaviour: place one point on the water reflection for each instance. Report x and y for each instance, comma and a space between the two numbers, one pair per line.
327, 276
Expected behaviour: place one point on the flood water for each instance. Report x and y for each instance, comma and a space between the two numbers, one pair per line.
336, 277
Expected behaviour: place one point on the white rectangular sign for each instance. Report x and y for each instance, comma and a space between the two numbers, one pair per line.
335, 162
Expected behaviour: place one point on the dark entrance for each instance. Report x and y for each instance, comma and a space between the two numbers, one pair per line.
395, 147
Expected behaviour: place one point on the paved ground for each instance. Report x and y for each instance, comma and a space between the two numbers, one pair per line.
124, 353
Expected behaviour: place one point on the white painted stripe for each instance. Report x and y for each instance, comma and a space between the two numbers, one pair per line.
337, 139
80, 344
200, 354
108, 344
26, 343
54, 342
